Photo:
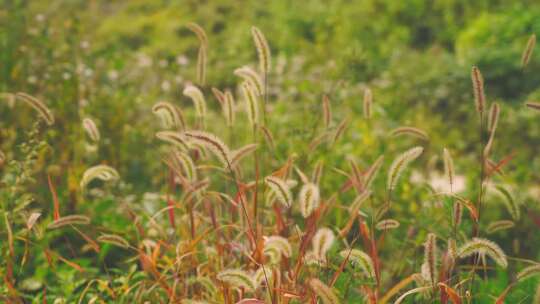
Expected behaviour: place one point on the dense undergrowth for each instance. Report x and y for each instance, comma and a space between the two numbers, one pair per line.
250, 174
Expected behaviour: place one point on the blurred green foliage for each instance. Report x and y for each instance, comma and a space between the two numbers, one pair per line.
112, 60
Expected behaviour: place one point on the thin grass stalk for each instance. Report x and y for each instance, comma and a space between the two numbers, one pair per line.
476, 224
242, 202
482, 170
257, 173
372, 245
265, 100
265, 124
231, 137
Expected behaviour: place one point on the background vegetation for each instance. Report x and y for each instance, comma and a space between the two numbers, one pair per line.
111, 61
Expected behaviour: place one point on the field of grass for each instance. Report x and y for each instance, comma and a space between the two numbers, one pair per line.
218, 151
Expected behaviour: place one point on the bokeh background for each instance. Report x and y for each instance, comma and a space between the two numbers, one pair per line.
112, 60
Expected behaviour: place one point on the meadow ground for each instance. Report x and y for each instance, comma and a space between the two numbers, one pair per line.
369, 151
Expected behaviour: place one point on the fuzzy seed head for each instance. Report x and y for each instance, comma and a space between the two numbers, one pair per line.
182, 164
170, 115
212, 143
493, 119
527, 52
528, 272
197, 97
412, 291
114, 240
228, 108
237, 278
239, 154
367, 103
457, 214
430, 257
74, 219
325, 293
411, 131
533, 105
281, 190
202, 59
478, 87
32, 219
510, 203
251, 77
499, 225
174, 138
400, 164
360, 259
483, 247
199, 31
327, 111
43, 111
91, 129
220, 96
278, 244
252, 103
452, 249
263, 50
387, 224
309, 199
102, 172
449, 167
322, 242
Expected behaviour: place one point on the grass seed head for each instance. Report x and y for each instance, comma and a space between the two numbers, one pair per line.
195, 94
239, 154
91, 129
478, 87
102, 172
237, 278
281, 190
170, 115
174, 138
367, 103
411, 131
213, 143
400, 164
387, 224
322, 242
251, 77
74, 219
252, 103
533, 105
323, 291
449, 167
528, 272
527, 52
327, 111
114, 240
430, 258
263, 50
202, 58
483, 247
499, 225
228, 108
309, 199
44, 112
199, 31
360, 259
493, 118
